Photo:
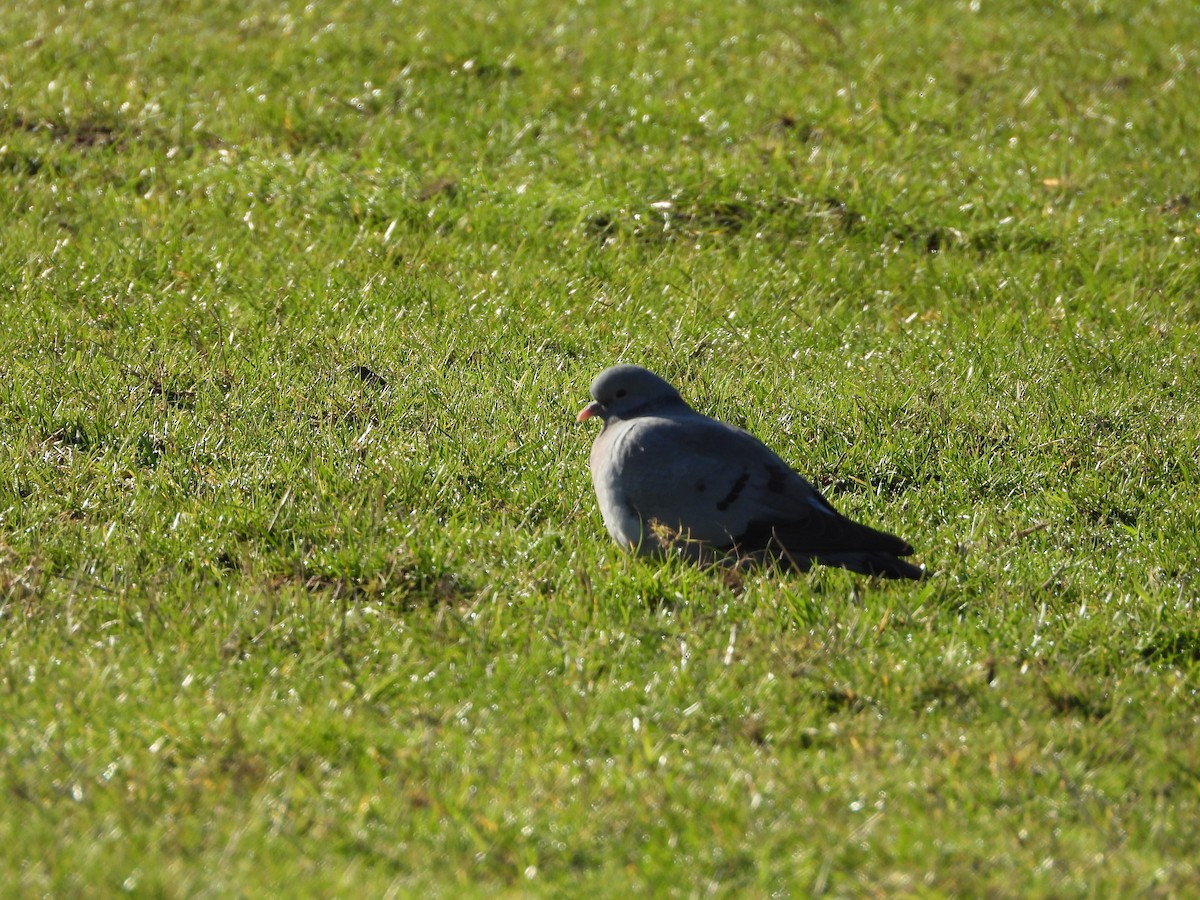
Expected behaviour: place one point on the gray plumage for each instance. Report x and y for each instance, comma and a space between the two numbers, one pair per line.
670, 478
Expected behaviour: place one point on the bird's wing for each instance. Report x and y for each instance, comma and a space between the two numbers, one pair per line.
723, 486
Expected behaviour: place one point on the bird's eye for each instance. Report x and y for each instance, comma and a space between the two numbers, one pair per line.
621, 393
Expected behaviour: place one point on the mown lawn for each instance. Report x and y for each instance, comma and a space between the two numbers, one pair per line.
303, 587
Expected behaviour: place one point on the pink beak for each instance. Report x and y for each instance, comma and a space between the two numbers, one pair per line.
592, 409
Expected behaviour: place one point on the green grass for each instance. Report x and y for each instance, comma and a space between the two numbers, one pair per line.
271, 624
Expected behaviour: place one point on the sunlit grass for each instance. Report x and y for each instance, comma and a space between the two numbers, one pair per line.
302, 583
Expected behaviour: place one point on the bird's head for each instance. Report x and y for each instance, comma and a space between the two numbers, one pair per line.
625, 392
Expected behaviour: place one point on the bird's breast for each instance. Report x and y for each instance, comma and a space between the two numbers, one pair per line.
610, 479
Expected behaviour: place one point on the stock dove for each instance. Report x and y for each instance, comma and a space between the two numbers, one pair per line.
670, 478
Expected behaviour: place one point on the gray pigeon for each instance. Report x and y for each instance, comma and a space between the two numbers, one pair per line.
670, 478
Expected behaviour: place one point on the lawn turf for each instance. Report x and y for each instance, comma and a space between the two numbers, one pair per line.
303, 588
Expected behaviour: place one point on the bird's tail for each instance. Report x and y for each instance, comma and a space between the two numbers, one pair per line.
879, 563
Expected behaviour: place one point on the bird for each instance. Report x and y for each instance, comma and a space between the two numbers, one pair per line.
671, 479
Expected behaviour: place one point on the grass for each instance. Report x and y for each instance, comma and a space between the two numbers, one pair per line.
303, 588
